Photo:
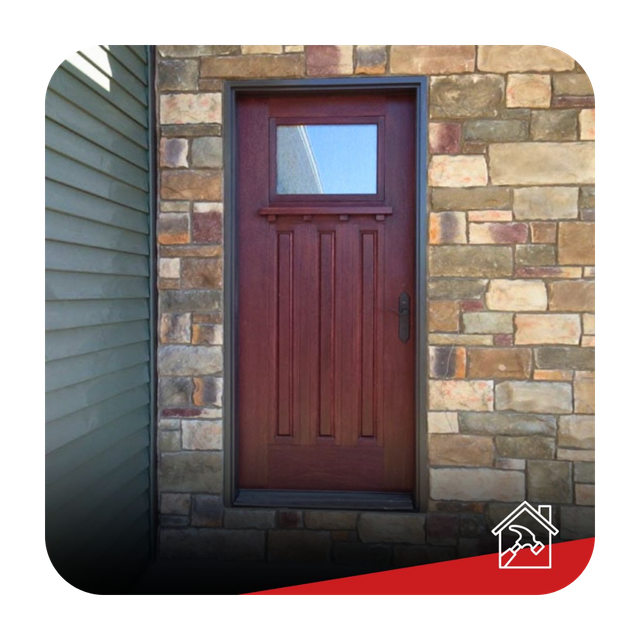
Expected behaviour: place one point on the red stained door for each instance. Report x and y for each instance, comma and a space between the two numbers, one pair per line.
326, 288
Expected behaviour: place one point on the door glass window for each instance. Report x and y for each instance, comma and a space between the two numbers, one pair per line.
327, 159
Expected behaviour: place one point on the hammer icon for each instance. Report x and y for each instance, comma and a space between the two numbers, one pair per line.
525, 539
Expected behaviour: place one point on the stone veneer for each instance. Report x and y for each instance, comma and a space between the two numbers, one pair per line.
511, 302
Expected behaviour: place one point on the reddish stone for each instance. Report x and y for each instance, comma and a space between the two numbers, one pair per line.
201, 273
181, 413
503, 340
584, 102
543, 232
472, 305
442, 525
289, 519
329, 59
444, 137
207, 227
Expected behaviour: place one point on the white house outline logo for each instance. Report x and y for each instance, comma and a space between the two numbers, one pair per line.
526, 538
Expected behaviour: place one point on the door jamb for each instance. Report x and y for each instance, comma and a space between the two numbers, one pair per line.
232, 88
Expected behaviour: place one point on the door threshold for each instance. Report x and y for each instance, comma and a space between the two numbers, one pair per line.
354, 500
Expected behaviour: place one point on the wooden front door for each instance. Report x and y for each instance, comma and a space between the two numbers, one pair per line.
326, 289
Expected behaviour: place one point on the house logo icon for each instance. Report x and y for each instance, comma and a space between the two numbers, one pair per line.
525, 538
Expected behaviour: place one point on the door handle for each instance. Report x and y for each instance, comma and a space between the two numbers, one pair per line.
404, 316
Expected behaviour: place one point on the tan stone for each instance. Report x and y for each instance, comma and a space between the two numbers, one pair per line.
588, 341
491, 215
587, 120
248, 49
457, 171
448, 227
539, 328
545, 203
534, 397
585, 396
585, 494
264, 66
293, 48
529, 90
477, 485
201, 273
498, 232
442, 422
470, 198
177, 504
589, 272
190, 108
517, 295
191, 185
572, 84
499, 363
509, 58
576, 243
589, 324
553, 374
576, 455
432, 59
487, 322
443, 315
466, 96
202, 435
169, 267
460, 450
461, 395
543, 232
460, 338
542, 163
577, 432
576, 295
475, 261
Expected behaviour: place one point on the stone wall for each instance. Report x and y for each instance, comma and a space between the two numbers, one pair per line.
511, 302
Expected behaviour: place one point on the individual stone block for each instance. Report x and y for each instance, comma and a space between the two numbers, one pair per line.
543, 232
460, 451
249, 49
460, 339
168, 441
392, 527
457, 171
266, 66
179, 360
584, 472
483, 96
329, 60
432, 59
574, 358
477, 261
528, 90
169, 267
572, 84
576, 455
558, 125
444, 315
173, 228
173, 152
510, 58
510, 424
477, 485
587, 120
202, 435
589, 324
526, 447
576, 243
207, 391
456, 289
553, 374
447, 362
542, 163
534, 397
206, 152
177, 75
498, 233
488, 322
584, 391
207, 511
499, 363
175, 392
577, 295
476, 198
535, 255
210, 334
201, 273
298, 546
442, 422
186, 471
196, 301
461, 395
443, 528
197, 50
577, 432
449, 227
517, 295
536, 328
577, 523
444, 137
175, 328
176, 504
371, 59
249, 519
190, 108
191, 185
330, 520
206, 226
549, 481
545, 203
490, 216
495, 130
585, 494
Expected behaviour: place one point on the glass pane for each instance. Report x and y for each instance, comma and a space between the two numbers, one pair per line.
327, 158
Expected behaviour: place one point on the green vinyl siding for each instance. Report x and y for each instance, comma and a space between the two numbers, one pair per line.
99, 318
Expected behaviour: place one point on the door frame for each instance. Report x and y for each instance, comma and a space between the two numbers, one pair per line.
232, 89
